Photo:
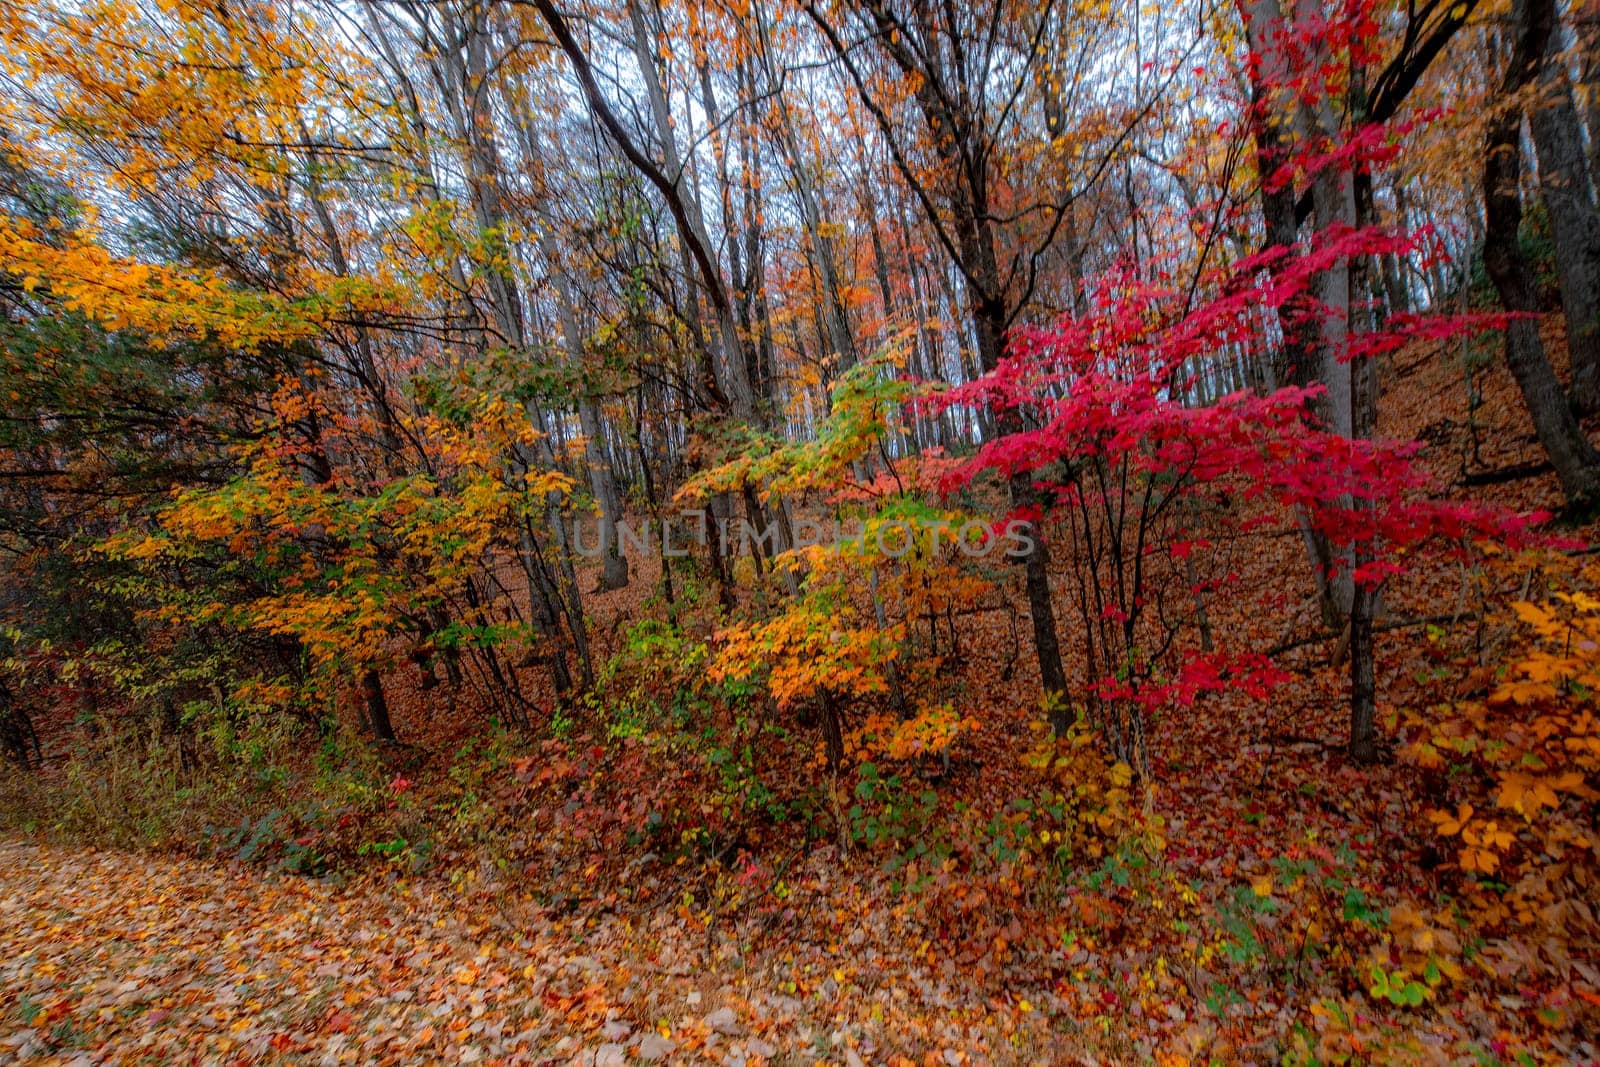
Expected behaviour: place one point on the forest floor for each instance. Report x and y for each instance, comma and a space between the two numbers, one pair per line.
134, 958
1238, 918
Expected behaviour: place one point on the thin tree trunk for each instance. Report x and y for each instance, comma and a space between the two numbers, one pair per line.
1574, 224
377, 707
1363, 685
1564, 442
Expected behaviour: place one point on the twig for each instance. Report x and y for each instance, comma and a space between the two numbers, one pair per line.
1513, 473
1398, 624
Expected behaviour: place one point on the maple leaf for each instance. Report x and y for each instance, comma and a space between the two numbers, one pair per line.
1449, 825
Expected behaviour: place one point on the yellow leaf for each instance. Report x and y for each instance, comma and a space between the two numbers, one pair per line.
1450, 825
1532, 614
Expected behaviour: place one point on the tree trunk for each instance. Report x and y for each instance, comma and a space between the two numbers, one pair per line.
734, 369
1564, 442
377, 707
832, 730
600, 470
1586, 26
603, 483
1363, 685
990, 321
1334, 201
1574, 224
1305, 347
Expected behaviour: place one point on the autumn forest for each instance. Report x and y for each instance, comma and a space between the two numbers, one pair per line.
799, 532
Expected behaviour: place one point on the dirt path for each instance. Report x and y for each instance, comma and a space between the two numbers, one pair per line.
126, 958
